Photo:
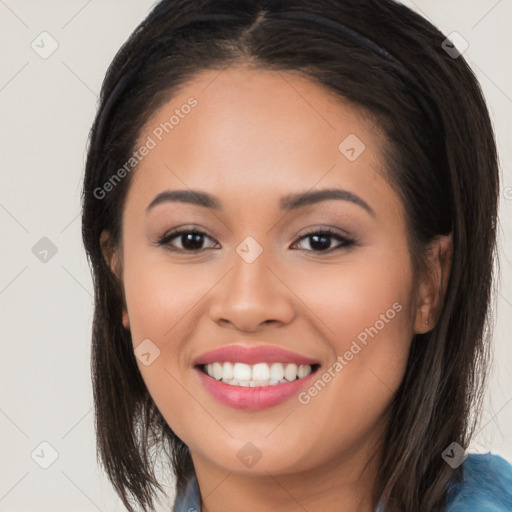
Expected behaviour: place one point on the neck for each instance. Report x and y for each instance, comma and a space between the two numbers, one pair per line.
348, 479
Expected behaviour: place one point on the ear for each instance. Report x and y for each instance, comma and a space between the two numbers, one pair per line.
113, 260
433, 283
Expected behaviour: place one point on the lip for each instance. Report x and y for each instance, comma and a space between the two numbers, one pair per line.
255, 398
248, 398
252, 355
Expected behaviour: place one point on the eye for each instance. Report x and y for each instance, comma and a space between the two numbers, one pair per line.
319, 240
191, 240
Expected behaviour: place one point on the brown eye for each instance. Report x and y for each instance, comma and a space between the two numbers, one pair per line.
320, 241
190, 240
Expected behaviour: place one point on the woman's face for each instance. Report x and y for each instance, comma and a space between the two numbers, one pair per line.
255, 140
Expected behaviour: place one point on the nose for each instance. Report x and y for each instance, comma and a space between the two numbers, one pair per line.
252, 295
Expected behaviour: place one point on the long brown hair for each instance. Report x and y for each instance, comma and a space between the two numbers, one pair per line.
440, 156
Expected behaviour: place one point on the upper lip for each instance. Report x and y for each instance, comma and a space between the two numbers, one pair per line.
252, 355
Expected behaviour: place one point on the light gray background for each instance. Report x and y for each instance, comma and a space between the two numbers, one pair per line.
47, 107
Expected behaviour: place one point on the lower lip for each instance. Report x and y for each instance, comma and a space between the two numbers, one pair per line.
254, 398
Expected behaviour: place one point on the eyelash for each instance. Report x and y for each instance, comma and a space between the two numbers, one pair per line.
345, 242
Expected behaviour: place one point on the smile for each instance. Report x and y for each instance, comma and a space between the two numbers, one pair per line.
256, 375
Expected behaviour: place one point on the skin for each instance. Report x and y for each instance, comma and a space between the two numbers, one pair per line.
254, 137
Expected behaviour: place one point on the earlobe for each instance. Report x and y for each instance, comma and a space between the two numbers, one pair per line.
434, 283
126, 321
110, 253
426, 315
423, 320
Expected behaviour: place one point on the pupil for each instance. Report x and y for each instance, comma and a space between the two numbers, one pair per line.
192, 241
316, 245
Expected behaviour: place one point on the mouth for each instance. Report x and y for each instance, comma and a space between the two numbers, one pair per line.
256, 375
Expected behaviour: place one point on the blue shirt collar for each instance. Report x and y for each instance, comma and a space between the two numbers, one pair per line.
486, 485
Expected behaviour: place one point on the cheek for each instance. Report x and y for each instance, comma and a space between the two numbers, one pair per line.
365, 316
159, 294
362, 312
160, 300
353, 299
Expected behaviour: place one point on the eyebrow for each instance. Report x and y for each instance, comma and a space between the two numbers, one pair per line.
288, 202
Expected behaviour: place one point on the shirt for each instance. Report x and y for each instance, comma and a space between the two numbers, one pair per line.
486, 486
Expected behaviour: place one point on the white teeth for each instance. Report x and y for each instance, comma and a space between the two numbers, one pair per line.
241, 371
303, 371
227, 371
276, 371
290, 372
258, 383
260, 371
218, 372
260, 374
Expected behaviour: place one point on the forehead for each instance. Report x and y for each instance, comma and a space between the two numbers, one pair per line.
255, 132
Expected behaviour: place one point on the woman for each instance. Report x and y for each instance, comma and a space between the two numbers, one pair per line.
290, 212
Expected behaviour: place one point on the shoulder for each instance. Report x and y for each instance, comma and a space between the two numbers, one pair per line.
485, 486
